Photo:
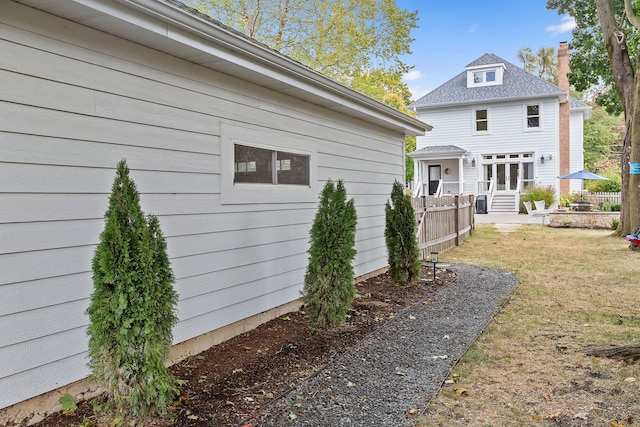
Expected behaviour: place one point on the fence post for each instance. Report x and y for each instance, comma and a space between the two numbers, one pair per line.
457, 219
472, 208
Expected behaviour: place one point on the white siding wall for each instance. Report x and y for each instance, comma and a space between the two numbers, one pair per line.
507, 134
73, 102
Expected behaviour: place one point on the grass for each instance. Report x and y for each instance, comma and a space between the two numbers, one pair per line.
578, 288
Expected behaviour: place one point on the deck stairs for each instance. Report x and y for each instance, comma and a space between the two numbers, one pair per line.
504, 203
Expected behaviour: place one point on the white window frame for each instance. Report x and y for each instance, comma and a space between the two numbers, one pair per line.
481, 72
474, 121
270, 139
525, 123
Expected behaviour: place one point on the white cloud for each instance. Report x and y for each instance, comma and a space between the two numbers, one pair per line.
568, 23
412, 75
418, 92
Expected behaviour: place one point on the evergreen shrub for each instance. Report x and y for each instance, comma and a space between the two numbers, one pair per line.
400, 236
133, 306
328, 282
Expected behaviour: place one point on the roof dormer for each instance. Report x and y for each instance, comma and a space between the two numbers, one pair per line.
485, 75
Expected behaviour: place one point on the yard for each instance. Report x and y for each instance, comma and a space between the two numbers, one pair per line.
578, 288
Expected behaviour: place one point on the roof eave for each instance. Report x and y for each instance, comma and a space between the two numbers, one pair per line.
169, 21
562, 97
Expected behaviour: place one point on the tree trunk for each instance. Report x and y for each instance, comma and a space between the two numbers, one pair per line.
622, 68
618, 352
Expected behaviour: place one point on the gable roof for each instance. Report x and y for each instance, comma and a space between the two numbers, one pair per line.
516, 84
172, 27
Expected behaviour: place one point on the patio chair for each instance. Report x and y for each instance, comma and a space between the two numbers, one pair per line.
540, 207
534, 213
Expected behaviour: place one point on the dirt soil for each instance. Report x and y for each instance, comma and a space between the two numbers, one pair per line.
227, 383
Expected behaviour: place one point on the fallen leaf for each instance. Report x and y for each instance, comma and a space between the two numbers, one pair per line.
229, 403
411, 412
630, 380
449, 381
552, 414
286, 318
460, 391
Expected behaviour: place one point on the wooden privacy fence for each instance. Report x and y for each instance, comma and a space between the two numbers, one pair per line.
443, 222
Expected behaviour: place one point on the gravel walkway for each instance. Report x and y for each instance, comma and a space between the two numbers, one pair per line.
402, 365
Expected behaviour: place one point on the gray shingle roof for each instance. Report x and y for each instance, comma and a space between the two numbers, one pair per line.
516, 83
439, 149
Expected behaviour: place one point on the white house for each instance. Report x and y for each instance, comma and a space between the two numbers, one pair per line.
198, 110
497, 130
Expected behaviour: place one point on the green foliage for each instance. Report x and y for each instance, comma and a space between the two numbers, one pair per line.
132, 308
337, 37
68, 403
328, 282
615, 222
590, 66
535, 193
613, 184
601, 131
610, 207
400, 236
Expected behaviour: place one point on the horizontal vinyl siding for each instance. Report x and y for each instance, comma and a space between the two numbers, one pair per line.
506, 135
73, 103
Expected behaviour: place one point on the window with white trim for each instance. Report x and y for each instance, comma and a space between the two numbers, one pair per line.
481, 120
533, 116
263, 165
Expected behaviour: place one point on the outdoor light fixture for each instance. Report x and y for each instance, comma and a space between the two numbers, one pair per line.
473, 165
542, 159
434, 261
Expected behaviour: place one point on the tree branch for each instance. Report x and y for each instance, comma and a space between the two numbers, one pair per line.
631, 16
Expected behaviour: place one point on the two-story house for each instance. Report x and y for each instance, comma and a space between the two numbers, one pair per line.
497, 130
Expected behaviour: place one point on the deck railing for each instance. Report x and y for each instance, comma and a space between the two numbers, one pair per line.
443, 222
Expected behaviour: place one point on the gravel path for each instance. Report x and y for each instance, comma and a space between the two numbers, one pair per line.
402, 365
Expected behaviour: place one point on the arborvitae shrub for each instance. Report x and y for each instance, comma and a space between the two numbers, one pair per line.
400, 236
133, 306
328, 283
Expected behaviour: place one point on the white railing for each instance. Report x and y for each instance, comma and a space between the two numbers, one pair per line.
450, 188
439, 189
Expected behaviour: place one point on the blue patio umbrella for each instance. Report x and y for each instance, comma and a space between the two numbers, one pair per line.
582, 175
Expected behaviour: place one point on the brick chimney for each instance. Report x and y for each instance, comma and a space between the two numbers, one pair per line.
564, 142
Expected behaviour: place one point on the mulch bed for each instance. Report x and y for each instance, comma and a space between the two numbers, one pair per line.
234, 380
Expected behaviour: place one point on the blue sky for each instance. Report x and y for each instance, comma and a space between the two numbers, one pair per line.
453, 33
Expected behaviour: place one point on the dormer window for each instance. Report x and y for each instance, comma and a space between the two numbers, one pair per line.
485, 75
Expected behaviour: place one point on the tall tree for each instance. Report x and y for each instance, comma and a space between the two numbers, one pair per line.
543, 64
356, 42
334, 37
611, 27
